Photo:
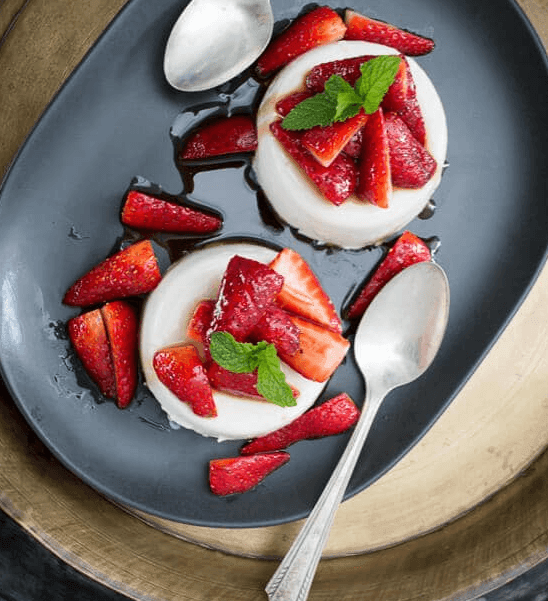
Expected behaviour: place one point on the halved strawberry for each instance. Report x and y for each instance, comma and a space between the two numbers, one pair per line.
347, 68
287, 104
130, 272
354, 147
360, 27
320, 350
407, 250
397, 94
331, 417
336, 182
326, 143
180, 369
121, 324
411, 115
240, 474
88, 336
247, 289
375, 183
223, 136
302, 292
316, 28
277, 328
145, 211
411, 164
200, 321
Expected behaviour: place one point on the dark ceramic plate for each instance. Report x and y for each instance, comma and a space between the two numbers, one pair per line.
59, 215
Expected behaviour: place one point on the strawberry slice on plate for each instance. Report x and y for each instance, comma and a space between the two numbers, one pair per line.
200, 321
361, 27
302, 292
240, 474
336, 182
247, 289
407, 250
145, 211
222, 136
287, 104
410, 162
316, 28
375, 181
130, 272
347, 68
334, 416
276, 327
180, 369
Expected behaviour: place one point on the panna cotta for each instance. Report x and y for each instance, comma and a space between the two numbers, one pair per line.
165, 319
299, 203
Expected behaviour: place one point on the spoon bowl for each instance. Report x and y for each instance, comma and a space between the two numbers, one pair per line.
396, 341
214, 40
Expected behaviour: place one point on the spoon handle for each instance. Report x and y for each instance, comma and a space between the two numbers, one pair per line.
293, 578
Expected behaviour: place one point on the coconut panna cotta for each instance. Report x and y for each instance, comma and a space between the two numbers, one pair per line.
298, 202
165, 320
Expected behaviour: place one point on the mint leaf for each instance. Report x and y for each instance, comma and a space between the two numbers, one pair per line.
271, 379
316, 110
347, 101
237, 357
378, 74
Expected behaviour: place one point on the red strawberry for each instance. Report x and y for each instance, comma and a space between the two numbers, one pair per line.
332, 417
347, 68
89, 338
326, 143
360, 27
277, 328
375, 183
336, 182
354, 147
407, 250
320, 351
240, 474
247, 289
129, 272
411, 115
396, 97
316, 28
226, 135
411, 164
302, 292
200, 321
144, 211
180, 369
244, 385
121, 324
287, 104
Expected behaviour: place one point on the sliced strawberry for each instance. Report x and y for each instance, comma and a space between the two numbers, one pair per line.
144, 211
277, 328
316, 28
88, 336
200, 321
347, 68
326, 143
396, 97
320, 351
375, 183
247, 289
336, 182
287, 104
411, 115
223, 136
411, 164
332, 417
354, 147
180, 369
302, 292
121, 324
244, 385
129, 272
240, 474
407, 250
360, 27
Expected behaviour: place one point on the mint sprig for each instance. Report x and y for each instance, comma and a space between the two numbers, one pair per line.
339, 101
245, 357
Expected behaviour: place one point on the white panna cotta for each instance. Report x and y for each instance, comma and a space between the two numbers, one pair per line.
298, 202
166, 315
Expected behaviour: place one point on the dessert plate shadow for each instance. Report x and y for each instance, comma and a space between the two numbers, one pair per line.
111, 121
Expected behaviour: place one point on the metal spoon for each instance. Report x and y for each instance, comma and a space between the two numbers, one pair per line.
396, 341
215, 40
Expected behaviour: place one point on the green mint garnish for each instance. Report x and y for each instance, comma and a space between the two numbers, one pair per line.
245, 357
339, 101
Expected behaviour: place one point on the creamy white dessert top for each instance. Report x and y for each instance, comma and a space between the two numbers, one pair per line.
298, 202
166, 315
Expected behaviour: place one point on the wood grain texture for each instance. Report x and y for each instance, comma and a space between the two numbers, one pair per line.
464, 511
